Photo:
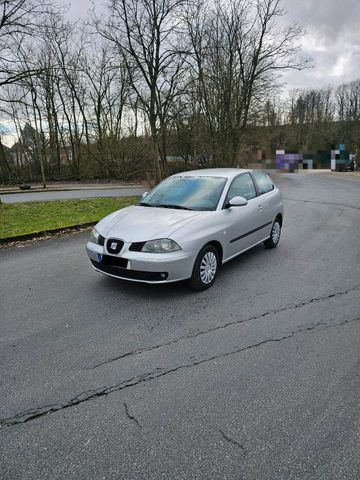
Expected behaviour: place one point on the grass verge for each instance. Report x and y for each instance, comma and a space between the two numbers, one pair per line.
33, 217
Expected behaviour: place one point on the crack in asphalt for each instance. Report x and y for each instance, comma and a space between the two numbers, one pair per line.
231, 440
220, 327
131, 417
33, 414
322, 203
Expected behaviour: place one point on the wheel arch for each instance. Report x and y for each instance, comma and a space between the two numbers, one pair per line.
216, 244
280, 218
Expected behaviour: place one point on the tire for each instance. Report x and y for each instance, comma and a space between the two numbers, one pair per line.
205, 269
274, 238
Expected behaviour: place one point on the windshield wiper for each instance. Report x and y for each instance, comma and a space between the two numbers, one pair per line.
163, 205
178, 207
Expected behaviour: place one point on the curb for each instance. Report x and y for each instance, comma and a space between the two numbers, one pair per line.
356, 173
75, 189
45, 233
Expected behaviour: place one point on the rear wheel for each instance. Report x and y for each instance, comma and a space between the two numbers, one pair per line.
274, 238
205, 268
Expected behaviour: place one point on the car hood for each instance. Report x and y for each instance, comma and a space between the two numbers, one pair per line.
139, 224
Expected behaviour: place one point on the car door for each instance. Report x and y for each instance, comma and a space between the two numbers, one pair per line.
242, 222
267, 200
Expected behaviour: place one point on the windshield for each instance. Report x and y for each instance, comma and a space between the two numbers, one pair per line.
187, 193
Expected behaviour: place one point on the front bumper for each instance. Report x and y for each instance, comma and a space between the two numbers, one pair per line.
144, 267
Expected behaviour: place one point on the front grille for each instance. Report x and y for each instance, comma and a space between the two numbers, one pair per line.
114, 261
114, 246
136, 246
131, 274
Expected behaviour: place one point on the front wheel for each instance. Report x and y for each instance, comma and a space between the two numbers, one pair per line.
205, 268
274, 238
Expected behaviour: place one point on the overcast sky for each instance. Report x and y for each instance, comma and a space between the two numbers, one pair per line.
332, 38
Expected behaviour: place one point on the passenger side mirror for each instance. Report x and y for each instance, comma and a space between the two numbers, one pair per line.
237, 202
144, 195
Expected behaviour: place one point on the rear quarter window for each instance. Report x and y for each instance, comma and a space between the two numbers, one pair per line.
263, 182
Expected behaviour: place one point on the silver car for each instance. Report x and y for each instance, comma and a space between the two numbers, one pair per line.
187, 226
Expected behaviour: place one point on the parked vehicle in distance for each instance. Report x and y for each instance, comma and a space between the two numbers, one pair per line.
346, 165
350, 165
187, 226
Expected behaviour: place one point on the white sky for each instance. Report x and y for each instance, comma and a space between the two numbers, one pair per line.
332, 38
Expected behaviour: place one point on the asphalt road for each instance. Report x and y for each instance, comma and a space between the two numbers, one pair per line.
256, 378
71, 194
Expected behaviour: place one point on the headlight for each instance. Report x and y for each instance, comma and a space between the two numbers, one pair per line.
94, 236
163, 245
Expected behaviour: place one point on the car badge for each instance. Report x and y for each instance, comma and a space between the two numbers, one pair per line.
113, 246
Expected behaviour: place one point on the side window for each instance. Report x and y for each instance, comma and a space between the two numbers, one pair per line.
263, 182
242, 186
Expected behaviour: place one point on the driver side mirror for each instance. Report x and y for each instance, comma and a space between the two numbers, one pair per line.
144, 195
237, 202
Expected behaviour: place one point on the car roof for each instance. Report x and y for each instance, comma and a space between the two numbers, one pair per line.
213, 172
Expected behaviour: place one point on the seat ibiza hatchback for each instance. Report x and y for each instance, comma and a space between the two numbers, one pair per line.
187, 226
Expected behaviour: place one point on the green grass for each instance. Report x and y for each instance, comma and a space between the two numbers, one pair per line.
33, 217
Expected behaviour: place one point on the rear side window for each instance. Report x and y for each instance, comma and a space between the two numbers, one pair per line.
263, 182
242, 186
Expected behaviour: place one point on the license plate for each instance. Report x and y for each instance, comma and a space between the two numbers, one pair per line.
113, 261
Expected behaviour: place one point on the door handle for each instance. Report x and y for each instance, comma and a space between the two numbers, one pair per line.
260, 208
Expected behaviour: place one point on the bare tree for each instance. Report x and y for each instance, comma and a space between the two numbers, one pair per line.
238, 57
19, 20
348, 113
108, 91
145, 33
348, 101
6, 170
308, 109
